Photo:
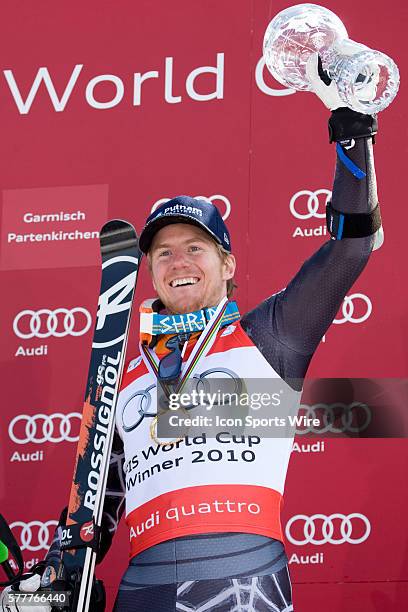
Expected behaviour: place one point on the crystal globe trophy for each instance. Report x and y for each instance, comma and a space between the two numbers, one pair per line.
367, 80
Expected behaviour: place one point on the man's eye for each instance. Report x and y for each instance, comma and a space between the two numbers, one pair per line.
164, 253
194, 247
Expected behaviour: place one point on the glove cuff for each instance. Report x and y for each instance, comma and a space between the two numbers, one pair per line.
345, 124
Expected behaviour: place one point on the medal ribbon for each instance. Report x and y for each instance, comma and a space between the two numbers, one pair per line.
154, 324
202, 347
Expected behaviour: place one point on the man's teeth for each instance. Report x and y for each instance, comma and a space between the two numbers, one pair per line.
184, 281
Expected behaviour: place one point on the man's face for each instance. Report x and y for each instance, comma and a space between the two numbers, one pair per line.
187, 270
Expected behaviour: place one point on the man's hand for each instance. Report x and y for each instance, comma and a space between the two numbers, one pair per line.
322, 85
327, 90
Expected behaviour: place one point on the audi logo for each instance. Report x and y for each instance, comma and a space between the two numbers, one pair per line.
320, 529
34, 535
41, 428
215, 199
58, 323
140, 404
309, 201
347, 309
353, 418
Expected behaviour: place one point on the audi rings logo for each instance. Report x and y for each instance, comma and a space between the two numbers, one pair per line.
58, 323
348, 309
320, 529
141, 404
40, 428
336, 418
34, 535
219, 201
305, 204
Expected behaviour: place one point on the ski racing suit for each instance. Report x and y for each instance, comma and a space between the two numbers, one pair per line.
219, 560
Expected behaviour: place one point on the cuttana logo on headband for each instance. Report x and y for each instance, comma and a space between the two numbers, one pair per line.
181, 208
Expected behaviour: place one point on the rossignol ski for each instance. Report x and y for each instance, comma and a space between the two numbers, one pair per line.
79, 538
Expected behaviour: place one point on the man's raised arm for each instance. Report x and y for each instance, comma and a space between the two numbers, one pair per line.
289, 325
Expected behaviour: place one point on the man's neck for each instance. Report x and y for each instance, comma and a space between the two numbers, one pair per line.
168, 311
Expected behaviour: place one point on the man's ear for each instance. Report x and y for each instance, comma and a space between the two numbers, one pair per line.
230, 265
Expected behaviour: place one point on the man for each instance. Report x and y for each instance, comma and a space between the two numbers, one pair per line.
206, 534
222, 559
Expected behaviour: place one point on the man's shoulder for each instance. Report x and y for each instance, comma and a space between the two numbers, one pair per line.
262, 311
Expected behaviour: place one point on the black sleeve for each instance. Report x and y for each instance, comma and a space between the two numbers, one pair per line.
288, 326
114, 506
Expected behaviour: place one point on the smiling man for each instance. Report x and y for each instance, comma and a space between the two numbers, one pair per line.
204, 523
205, 534
204, 513
189, 267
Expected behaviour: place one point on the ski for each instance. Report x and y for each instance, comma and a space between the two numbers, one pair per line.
79, 538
